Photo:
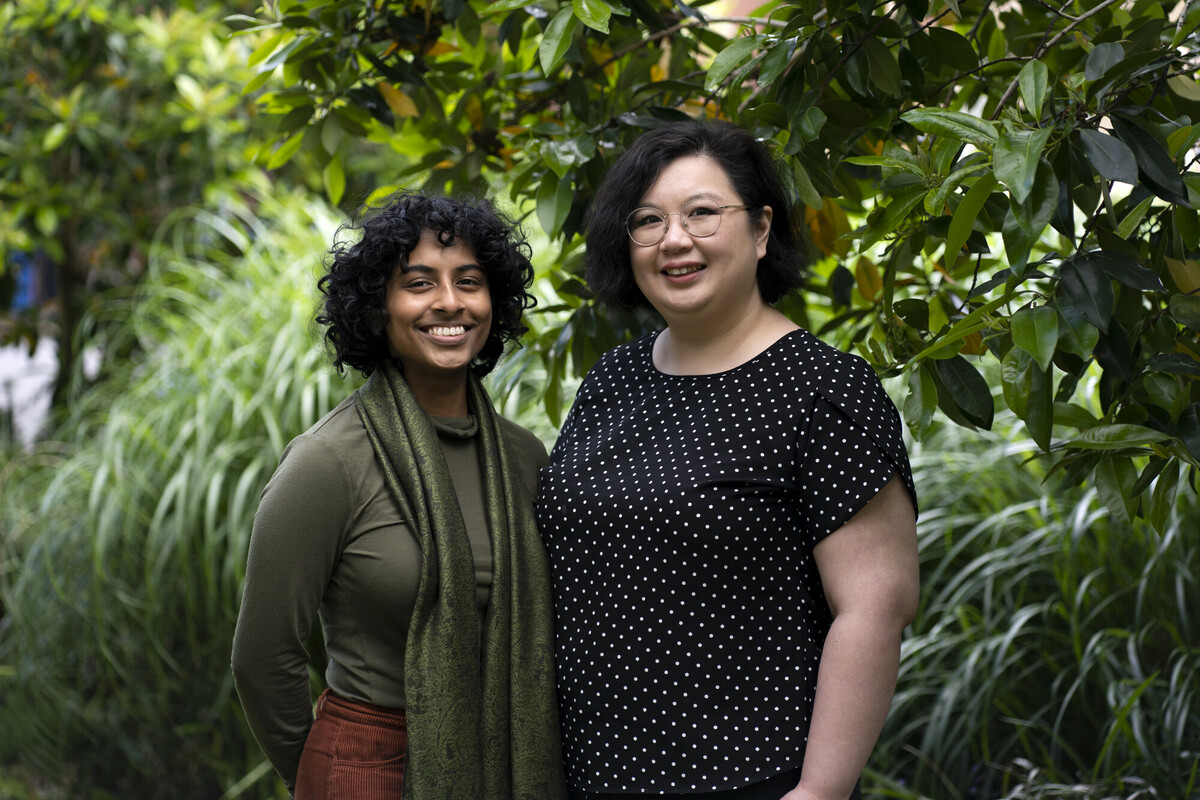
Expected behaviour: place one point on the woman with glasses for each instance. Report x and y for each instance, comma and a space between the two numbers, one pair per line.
729, 510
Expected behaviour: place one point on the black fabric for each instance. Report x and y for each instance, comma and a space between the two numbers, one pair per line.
680, 514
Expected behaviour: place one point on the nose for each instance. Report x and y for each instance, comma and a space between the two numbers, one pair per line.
448, 298
676, 235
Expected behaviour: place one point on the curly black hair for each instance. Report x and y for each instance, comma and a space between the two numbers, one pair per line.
754, 173
354, 310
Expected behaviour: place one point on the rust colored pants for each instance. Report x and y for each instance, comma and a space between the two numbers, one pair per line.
354, 751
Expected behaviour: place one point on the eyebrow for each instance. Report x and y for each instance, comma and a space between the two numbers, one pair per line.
405, 269
703, 195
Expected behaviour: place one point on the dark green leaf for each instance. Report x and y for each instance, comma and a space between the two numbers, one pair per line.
953, 47
921, 401
913, 311
1162, 502
1188, 430
1075, 334
1035, 330
1016, 160
593, 13
1102, 58
1033, 80
1109, 156
1185, 308
955, 124
1114, 475
1176, 363
1089, 290
731, 56
966, 214
1156, 168
1116, 437
1122, 268
968, 389
885, 70
883, 223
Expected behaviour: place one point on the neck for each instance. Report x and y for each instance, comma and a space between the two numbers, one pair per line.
699, 347
443, 396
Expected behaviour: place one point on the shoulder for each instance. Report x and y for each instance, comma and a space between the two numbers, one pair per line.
332, 450
529, 449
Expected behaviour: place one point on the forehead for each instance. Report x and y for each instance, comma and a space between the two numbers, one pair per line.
430, 251
690, 178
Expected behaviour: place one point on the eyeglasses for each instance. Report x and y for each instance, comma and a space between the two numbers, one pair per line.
648, 225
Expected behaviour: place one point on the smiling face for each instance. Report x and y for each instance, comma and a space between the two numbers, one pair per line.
439, 311
690, 276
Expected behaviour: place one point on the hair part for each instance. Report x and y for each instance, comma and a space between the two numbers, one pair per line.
367, 250
755, 174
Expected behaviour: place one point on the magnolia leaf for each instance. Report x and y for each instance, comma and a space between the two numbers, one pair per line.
1121, 268
1109, 156
1033, 80
400, 103
1075, 334
881, 224
920, 402
1116, 437
730, 58
965, 215
1185, 309
1114, 476
593, 13
1155, 166
955, 124
557, 39
1089, 290
334, 178
1035, 330
885, 70
1162, 501
1102, 58
968, 389
1016, 160
1134, 218
1185, 87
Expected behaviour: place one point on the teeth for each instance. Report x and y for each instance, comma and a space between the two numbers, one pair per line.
456, 330
680, 270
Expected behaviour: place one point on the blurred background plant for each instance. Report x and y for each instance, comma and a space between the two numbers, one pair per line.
179, 169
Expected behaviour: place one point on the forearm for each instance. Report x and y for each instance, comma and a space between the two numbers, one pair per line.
855, 683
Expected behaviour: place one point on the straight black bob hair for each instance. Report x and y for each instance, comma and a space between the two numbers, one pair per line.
354, 311
753, 172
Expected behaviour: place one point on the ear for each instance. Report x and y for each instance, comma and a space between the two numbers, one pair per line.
762, 230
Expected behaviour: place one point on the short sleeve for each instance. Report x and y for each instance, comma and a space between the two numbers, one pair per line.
853, 448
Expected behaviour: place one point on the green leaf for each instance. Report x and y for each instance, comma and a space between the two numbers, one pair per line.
553, 202
1155, 167
1109, 156
557, 39
804, 186
1016, 159
881, 224
1075, 334
1185, 309
1121, 268
730, 58
921, 401
1162, 501
593, 13
1089, 291
968, 390
1134, 218
1116, 437
1114, 476
908, 165
953, 48
265, 49
1035, 330
965, 215
955, 124
502, 7
1189, 430
335, 180
1016, 380
1185, 87
55, 135
1102, 58
1033, 80
885, 70
284, 152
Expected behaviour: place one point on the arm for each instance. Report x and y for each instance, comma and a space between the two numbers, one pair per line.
293, 548
869, 569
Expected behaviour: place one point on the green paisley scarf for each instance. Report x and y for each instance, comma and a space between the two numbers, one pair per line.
482, 721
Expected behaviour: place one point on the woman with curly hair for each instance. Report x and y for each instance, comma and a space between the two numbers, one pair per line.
404, 518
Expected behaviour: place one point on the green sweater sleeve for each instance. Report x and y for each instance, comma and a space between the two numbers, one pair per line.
297, 537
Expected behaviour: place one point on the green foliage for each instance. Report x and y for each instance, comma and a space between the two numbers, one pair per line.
1055, 652
112, 115
1012, 183
124, 542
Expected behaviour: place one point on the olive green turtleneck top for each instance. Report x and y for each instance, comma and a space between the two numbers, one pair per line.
328, 539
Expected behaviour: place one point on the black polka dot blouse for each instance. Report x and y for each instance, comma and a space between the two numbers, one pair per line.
680, 515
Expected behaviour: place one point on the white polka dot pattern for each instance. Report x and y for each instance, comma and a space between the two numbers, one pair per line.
680, 513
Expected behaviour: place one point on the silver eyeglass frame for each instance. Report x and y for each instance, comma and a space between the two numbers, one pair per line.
682, 222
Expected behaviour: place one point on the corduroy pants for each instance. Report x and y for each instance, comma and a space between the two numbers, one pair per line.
354, 751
